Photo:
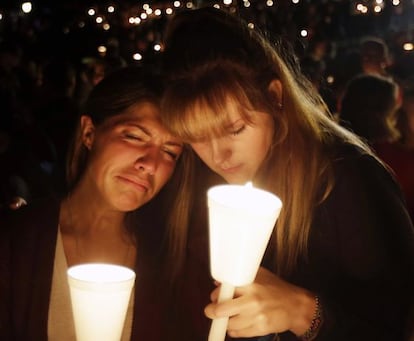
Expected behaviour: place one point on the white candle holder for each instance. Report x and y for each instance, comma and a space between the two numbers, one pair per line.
241, 221
100, 295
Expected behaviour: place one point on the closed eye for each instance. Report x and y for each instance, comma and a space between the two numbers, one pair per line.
239, 130
130, 136
174, 156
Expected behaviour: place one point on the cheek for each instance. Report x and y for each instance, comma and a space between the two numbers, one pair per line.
111, 158
259, 150
201, 150
96, 161
164, 174
266, 140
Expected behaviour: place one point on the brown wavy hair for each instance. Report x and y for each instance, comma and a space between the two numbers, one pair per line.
112, 96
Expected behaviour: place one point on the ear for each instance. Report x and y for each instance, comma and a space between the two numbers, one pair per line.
87, 131
275, 87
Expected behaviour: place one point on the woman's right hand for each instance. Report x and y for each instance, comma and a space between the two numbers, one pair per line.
269, 305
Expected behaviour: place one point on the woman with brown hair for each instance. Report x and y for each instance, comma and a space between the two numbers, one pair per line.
114, 212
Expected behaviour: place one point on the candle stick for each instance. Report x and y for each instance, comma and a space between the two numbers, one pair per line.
241, 220
219, 325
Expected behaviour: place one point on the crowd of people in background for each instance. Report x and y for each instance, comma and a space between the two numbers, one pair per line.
41, 100
40, 105
368, 89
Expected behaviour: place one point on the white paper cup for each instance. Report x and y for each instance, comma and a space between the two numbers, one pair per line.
100, 295
241, 220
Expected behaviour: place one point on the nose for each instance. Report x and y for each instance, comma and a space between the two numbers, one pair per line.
220, 151
148, 161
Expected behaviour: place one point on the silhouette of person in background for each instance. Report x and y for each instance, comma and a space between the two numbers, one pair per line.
399, 154
92, 71
375, 56
24, 149
55, 112
369, 108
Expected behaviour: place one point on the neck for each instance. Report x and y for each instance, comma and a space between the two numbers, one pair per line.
89, 211
93, 232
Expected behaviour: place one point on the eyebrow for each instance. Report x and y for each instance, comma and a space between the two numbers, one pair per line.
147, 132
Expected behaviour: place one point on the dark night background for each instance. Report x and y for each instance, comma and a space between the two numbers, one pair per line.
52, 56
57, 25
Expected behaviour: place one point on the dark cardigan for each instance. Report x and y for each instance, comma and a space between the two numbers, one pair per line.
361, 255
28, 240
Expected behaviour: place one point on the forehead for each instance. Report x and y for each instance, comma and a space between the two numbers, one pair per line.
144, 113
210, 117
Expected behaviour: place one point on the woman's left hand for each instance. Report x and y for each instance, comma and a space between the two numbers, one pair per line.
269, 305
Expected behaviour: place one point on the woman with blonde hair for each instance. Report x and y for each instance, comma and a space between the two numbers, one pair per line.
340, 263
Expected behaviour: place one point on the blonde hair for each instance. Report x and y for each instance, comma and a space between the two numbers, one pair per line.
227, 66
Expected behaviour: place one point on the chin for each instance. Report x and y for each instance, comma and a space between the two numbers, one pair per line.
237, 180
130, 204
128, 208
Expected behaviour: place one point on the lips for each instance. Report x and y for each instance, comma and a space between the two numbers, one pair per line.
140, 184
231, 169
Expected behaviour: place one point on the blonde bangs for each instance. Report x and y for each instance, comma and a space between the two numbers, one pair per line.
206, 113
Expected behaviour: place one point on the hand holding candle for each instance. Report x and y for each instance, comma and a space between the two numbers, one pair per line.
241, 220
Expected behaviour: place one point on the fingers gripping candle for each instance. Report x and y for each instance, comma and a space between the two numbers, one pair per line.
241, 221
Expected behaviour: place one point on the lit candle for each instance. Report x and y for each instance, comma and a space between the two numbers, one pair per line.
100, 295
241, 220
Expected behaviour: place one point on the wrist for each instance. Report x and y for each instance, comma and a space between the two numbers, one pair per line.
302, 310
315, 324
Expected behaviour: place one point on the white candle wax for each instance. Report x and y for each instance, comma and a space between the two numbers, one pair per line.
100, 295
241, 220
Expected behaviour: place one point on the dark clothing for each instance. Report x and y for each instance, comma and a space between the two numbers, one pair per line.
23, 166
26, 267
361, 255
401, 160
361, 263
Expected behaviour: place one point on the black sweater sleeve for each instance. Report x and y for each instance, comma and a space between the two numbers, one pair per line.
362, 251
